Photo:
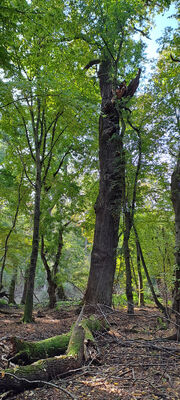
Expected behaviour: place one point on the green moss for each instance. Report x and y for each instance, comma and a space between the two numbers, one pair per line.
31, 351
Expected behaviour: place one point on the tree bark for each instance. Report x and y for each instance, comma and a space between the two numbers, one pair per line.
23, 299
51, 272
111, 186
79, 345
10, 231
108, 204
12, 287
129, 290
175, 195
140, 278
35, 245
157, 302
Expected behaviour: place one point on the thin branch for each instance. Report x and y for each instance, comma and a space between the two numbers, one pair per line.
38, 122
26, 131
44, 382
43, 256
174, 59
32, 119
43, 131
54, 120
25, 171
50, 154
61, 162
55, 173
91, 63
138, 167
108, 49
142, 32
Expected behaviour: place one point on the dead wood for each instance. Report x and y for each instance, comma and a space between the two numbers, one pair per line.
80, 346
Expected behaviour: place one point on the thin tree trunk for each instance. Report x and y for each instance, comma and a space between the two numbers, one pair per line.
9, 233
175, 195
129, 218
51, 273
157, 302
23, 299
129, 289
35, 246
140, 278
12, 287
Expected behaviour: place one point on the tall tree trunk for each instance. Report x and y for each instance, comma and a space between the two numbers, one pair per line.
51, 273
10, 231
23, 299
157, 302
140, 278
12, 287
175, 195
35, 245
129, 290
108, 204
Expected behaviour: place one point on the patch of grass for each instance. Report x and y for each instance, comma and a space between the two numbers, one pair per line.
67, 303
3, 301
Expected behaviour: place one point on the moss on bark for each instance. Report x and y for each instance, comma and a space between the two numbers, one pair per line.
28, 352
76, 342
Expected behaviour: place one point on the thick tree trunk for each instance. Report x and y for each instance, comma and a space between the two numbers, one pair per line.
60, 292
35, 246
108, 204
52, 286
175, 194
79, 345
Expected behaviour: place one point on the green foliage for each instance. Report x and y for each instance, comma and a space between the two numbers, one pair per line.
45, 89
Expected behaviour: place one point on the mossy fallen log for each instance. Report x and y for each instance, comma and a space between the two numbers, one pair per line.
24, 352
80, 341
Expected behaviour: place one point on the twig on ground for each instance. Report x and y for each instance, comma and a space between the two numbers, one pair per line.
45, 383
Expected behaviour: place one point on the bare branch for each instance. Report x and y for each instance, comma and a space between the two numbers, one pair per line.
91, 63
174, 59
43, 382
142, 32
26, 132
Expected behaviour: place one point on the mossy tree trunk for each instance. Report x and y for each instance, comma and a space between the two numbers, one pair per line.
78, 345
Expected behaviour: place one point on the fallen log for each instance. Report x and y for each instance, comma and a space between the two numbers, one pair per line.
79, 348
24, 352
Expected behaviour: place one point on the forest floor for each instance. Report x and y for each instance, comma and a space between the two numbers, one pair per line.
135, 362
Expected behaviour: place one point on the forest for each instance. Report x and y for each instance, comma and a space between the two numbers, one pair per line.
90, 200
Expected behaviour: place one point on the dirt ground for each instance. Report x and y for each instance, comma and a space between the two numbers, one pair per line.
135, 362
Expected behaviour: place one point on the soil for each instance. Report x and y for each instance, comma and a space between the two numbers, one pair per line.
134, 362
